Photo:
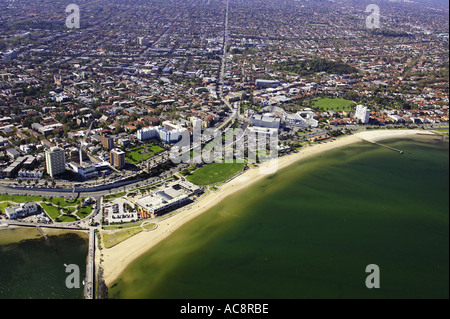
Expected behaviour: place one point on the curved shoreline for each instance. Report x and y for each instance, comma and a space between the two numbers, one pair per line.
117, 258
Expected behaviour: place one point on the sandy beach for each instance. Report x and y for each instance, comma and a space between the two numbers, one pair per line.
117, 258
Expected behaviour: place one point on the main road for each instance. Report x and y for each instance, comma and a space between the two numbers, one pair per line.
224, 54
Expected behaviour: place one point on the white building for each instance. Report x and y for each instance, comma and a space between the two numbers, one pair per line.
265, 120
147, 133
167, 136
158, 203
195, 122
87, 171
35, 174
299, 119
21, 210
170, 197
362, 113
268, 133
55, 160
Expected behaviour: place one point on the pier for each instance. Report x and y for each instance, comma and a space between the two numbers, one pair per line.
89, 284
43, 234
385, 146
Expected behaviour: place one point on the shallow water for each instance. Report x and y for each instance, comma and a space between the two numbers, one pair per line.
310, 230
33, 269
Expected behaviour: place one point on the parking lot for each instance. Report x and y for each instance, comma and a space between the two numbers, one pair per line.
119, 211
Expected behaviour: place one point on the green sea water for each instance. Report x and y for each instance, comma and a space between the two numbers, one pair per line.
310, 230
33, 269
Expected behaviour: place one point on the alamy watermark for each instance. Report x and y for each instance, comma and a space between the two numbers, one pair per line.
254, 145
373, 19
373, 280
73, 279
73, 19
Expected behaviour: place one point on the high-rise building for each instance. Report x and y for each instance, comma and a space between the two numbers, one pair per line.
167, 134
117, 157
55, 160
147, 133
107, 141
362, 113
143, 42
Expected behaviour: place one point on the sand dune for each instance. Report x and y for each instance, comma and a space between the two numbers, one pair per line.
117, 258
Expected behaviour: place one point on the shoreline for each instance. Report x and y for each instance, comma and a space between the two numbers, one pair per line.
117, 258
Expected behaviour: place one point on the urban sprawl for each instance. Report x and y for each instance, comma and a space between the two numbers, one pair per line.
101, 106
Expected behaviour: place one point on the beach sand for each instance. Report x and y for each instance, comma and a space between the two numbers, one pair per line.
117, 258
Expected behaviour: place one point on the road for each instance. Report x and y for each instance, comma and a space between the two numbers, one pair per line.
224, 54
113, 188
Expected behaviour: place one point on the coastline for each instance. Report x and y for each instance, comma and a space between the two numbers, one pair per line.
117, 258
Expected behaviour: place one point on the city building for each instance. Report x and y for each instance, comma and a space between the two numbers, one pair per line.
266, 120
12, 153
302, 119
159, 203
143, 42
147, 133
107, 141
267, 83
14, 167
362, 113
22, 210
55, 160
172, 196
167, 135
88, 170
30, 174
117, 157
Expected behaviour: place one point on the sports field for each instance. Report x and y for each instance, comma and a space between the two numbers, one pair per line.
327, 104
214, 173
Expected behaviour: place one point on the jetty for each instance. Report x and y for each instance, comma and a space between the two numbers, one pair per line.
385, 146
89, 284
43, 234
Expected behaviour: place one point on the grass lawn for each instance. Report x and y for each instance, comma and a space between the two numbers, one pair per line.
327, 104
3, 206
68, 207
442, 132
135, 154
62, 202
27, 198
67, 219
116, 195
112, 238
84, 211
51, 211
20, 198
214, 173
